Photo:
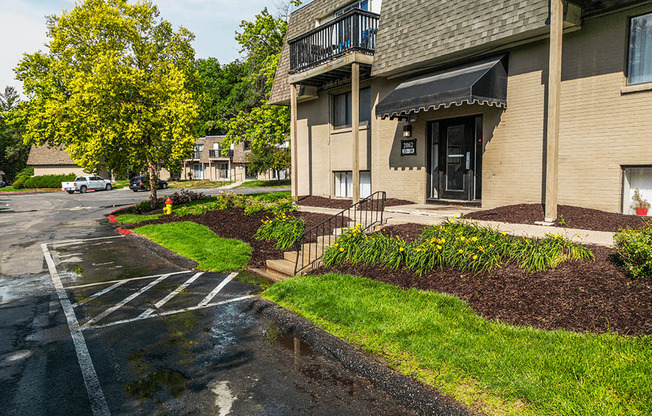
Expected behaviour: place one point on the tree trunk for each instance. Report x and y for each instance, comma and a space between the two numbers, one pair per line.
151, 170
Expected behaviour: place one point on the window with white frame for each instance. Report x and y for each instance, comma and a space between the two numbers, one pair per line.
342, 108
344, 184
360, 4
639, 63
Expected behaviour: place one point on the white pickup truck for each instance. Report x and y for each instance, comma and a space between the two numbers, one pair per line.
86, 183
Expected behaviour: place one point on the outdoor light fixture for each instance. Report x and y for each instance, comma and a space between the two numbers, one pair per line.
407, 131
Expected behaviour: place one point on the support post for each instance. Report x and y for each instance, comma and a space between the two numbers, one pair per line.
554, 87
293, 141
355, 121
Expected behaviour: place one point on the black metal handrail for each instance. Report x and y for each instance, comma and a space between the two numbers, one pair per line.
367, 212
354, 30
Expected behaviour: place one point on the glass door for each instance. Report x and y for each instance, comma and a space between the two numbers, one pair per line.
457, 166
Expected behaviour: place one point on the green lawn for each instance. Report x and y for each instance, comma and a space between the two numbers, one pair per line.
265, 184
11, 189
499, 368
198, 184
120, 184
199, 243
134, 218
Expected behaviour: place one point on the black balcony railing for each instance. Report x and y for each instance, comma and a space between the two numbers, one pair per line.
218, 153
353, 31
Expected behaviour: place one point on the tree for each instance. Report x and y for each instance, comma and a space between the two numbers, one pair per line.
13, 152
265, 126
118, 87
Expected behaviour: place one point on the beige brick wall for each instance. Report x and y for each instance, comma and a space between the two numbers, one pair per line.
601, 128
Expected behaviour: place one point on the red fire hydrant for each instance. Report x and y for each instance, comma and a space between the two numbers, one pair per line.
168, 206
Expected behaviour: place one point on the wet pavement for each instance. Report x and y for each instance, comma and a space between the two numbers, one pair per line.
131, 333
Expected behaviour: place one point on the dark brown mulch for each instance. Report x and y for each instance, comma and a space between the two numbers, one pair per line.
233, 223
595, 296
569, 217
320, 201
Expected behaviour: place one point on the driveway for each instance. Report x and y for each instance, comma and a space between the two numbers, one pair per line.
95, 323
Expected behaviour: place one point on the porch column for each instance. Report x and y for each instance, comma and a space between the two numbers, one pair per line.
355, 122
554, 86
293, 141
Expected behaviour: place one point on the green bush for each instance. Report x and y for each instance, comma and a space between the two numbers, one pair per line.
283, 228
634, 248
26, 172
48, 181
19, 183
467, 247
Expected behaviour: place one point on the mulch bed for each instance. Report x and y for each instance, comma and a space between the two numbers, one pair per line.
320, 201
585, 296
233, 223
573, 217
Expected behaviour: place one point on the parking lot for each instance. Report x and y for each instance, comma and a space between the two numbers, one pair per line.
93, 323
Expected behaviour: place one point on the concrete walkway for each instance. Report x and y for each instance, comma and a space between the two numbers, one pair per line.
433, 215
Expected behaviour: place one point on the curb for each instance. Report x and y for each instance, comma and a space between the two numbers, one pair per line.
161, 251
409, 392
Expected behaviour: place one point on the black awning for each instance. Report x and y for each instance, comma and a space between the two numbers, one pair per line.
483, 82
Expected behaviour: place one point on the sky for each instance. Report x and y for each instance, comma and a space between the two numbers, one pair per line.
214, 22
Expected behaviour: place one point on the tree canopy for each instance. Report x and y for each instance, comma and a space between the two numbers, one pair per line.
13, 152
117, 86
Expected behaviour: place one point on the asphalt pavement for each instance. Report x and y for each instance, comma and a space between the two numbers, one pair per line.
93, 323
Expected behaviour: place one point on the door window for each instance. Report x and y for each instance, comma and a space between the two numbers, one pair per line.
455, 158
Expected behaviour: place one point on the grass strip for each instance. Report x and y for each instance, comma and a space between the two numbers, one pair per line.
135, 218
199, 243
498, 368
265, 184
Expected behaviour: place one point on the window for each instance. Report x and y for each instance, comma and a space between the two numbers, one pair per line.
342, 113
639, 65
344, 184
247, 145
223, 170
360, 4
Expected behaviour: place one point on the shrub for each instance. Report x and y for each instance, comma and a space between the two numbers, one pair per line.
178, 198
47, 181
467, 247
19, 183
283, 228
634, 248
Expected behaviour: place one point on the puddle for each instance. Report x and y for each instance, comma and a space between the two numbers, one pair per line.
157, 385
253, 279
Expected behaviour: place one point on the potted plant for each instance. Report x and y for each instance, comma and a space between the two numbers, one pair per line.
640, 205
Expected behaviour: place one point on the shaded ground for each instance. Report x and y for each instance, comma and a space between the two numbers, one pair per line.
569, 217
319, 201
233, 223
582, 296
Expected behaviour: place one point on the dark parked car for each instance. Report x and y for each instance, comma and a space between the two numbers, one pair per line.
138, 183
2, 184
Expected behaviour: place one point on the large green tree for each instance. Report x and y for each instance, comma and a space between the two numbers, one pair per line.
13, 152
265, 126
117, 86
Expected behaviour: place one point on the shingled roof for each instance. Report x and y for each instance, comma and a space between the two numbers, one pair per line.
418, 34
45, 155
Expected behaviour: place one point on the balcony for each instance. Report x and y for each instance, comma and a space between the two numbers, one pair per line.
353, 32
217, 154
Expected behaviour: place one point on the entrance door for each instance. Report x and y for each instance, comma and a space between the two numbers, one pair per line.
455, 158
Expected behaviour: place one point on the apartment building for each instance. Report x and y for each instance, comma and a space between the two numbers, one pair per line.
485, 102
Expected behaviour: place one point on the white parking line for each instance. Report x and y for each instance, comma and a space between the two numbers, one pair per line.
98, 294
98, 402
167, 313
215, 291
108, 282
170, 295
125, 301
79, 241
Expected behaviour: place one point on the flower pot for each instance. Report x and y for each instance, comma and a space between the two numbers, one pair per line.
641, 211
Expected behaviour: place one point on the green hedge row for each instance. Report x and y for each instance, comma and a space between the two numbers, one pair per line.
45, 181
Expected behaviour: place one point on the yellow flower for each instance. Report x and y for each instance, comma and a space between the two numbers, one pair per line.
341, 249
474, 238
503, 233
475, 257
460, 251
400, 249
491, 245
438, 247
462, 238
335, 244
443, 240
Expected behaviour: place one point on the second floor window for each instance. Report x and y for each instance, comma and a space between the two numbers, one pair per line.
342, 114
361, 4
639, 65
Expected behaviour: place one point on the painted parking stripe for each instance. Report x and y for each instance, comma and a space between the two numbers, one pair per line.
167, 313
125, 301
215, 291
170, 295
98, 402
108, 282
80, 241
98, 294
